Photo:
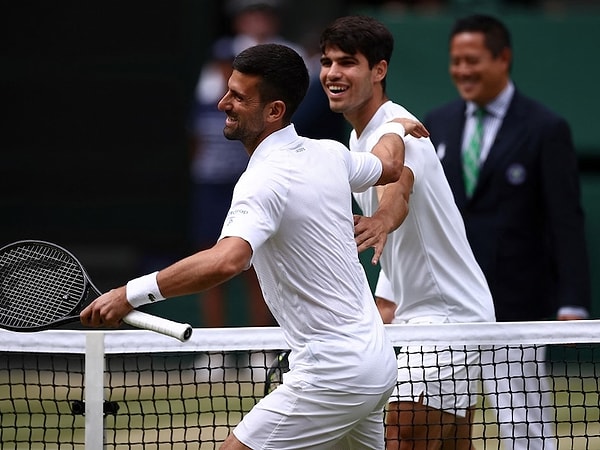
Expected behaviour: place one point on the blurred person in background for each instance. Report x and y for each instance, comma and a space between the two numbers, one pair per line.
256, 22
519, 195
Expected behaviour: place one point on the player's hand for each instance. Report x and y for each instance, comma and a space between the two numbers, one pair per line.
412, 127
107, 310
369, 232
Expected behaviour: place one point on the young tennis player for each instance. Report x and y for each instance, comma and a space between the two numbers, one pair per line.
429, 273
291, 218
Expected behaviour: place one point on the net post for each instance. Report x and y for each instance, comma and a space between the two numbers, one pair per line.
94, 390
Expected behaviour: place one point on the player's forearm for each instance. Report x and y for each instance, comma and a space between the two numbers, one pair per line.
390, 151
393, 201
204, 269
191, 275
392, 209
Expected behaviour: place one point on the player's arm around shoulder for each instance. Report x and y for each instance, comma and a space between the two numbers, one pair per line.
390, 151
393, 198
371, 232
390, 146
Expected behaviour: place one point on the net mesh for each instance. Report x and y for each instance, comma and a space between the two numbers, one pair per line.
163, 394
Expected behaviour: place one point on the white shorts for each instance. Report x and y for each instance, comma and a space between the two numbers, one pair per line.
306, 417
447, 378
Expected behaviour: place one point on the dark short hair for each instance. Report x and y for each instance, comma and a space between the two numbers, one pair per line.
283, 73
497, 36
360, 34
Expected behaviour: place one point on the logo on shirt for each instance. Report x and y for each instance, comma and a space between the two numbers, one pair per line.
233, 213
441, 150
516, 174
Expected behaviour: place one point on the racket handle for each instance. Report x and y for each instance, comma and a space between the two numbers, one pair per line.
181, 331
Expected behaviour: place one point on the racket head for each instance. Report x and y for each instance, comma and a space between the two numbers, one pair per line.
275, 373
42, 285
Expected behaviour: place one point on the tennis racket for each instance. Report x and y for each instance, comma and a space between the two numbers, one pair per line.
42, 286
275, 373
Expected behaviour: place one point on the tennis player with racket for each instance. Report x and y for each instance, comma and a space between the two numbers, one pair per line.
291, 218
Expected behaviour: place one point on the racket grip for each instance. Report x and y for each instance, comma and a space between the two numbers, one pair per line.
181, 331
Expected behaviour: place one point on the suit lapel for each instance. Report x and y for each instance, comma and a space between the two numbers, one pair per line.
507, 140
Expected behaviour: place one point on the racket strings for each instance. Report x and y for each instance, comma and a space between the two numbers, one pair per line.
38, 285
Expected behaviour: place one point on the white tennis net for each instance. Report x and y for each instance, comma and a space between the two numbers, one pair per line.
146, 391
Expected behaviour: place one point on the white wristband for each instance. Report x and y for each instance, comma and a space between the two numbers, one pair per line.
392, 127
143, 290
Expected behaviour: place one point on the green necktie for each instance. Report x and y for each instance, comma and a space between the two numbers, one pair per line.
472, 153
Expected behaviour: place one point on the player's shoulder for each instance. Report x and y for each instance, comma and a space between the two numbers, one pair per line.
393, 110
373, 131
324, 147
332, 143
320, 142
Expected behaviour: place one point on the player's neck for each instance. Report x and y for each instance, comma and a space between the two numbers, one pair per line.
360, 117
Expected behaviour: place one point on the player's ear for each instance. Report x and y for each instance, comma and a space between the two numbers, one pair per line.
380, 70
275, 110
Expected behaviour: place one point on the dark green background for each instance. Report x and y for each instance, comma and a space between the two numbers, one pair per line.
95, 96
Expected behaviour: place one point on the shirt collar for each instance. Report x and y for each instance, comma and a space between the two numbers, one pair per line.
378, 118
496, 107
280, 138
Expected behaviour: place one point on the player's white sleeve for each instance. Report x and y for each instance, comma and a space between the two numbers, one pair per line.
364, 170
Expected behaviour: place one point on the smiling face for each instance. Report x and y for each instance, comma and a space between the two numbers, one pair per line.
352, 88
478, 75
245, 120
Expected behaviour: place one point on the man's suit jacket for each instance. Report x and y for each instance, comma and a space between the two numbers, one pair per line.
524, 221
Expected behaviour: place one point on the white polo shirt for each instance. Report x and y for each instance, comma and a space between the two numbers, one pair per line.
293, 206
429, 266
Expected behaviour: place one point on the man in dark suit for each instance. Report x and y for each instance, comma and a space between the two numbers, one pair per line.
514, 177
